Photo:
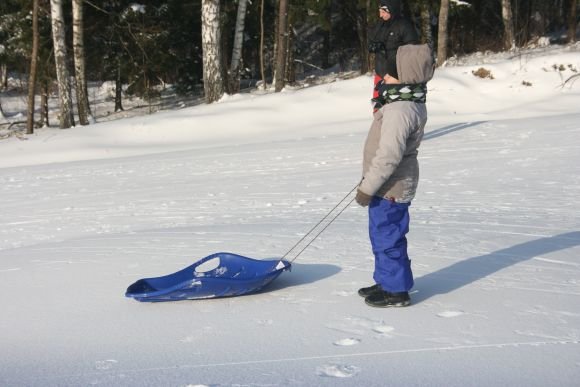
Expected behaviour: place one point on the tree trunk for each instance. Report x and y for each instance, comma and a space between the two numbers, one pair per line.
426, 33
326, 36
210, 41
281, 46
442, 38
33, 69
572, 25
79, 57
118, 88
362, 32
234, 73
44, 105
290, 76
370, 17
262, 69
3, 76
508, 23
60, 57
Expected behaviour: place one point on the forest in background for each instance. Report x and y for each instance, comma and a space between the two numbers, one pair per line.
210, 47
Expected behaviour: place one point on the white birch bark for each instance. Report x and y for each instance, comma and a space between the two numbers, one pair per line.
508, 23
210, 41
442, 35
60, 56
239, 37
79, 58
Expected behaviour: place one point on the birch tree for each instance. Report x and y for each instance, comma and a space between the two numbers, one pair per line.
60, 58
210, 42
508, 23
79, 59
442, 37
234, 73
33, 69
282, 39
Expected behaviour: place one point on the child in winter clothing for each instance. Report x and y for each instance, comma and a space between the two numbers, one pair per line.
391, 173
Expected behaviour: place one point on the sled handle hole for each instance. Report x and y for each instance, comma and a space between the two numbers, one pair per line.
208, 265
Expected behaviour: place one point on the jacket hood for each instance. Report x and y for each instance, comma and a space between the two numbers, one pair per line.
415, 63
394, 6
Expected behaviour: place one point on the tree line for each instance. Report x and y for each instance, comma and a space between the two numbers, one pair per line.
212, 47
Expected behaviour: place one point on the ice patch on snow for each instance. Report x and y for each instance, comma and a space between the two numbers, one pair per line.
450, 313
346, 342
337, 371
105, 364
383, 329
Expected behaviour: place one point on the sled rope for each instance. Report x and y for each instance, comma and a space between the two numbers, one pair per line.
325, 226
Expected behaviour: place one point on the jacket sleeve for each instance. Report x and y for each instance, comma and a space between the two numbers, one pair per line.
392, 146
373, 32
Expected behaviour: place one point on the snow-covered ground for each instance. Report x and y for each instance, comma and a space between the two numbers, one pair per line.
495, 240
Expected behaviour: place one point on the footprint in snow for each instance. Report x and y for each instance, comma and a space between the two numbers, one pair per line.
450, 313
105, 364
346, 342
265, 322
383, 329
337, 371
342, 293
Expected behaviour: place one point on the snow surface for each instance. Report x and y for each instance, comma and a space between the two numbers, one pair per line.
495, 240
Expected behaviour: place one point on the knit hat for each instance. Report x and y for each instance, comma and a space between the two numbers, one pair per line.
391, 6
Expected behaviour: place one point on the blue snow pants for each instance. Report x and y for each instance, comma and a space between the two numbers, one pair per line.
388, 225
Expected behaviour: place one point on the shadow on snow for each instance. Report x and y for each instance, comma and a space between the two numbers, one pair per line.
473, 269
450, 129
301, 274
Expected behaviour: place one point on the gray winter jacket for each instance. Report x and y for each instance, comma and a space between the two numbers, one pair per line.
390, 166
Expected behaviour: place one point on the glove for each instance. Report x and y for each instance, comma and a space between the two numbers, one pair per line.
362, 198
382, 89
381, 99
377, 103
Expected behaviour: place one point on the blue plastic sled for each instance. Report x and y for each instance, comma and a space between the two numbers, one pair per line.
235, 275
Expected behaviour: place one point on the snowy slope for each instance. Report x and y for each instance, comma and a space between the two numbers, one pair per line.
495, 241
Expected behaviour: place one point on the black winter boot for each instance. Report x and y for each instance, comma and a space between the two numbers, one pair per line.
365, 292
382, 299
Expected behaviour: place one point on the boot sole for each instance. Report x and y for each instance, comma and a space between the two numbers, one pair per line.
401, 304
